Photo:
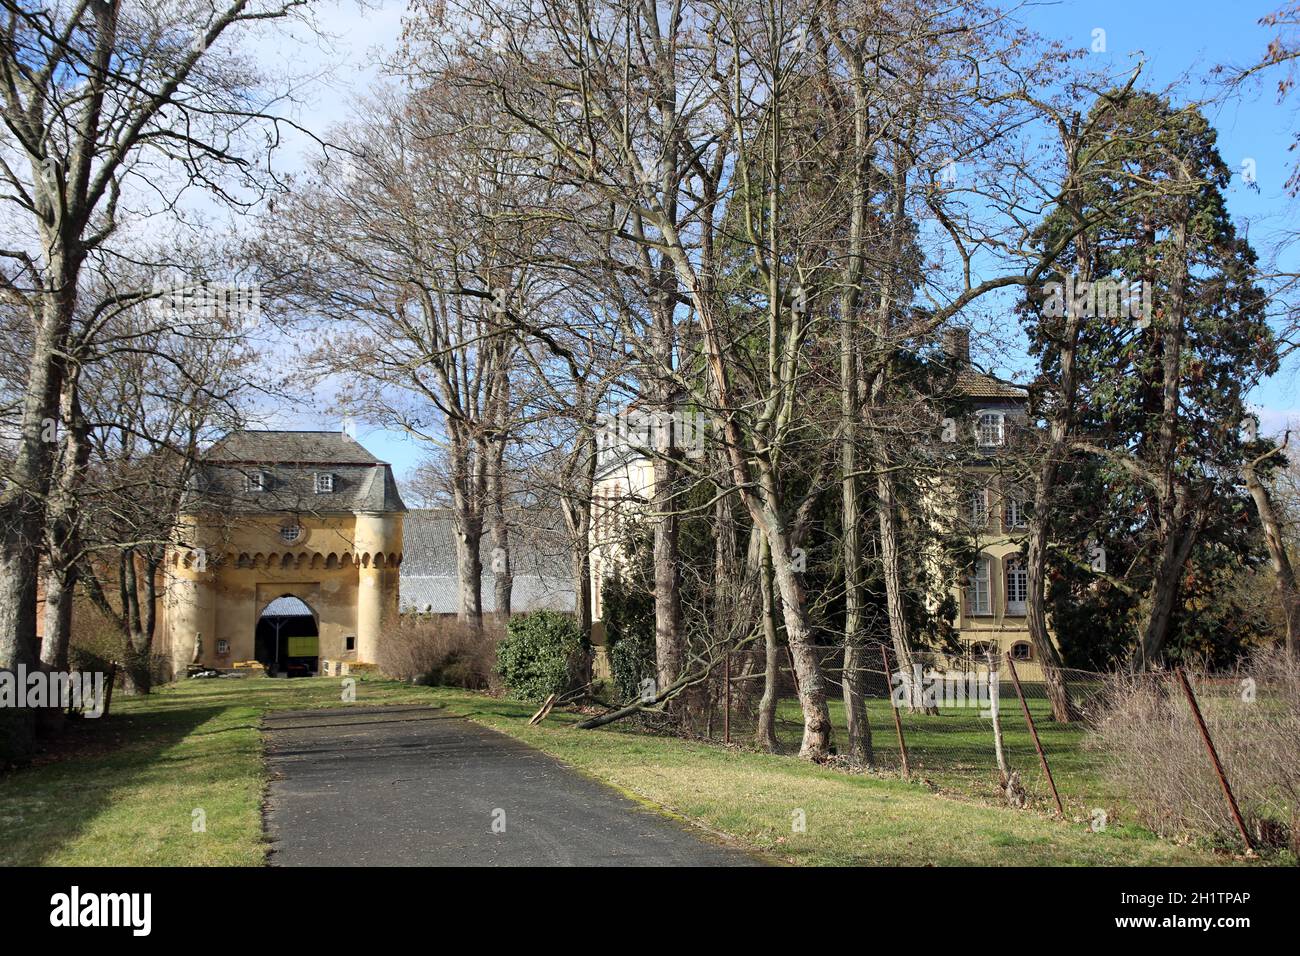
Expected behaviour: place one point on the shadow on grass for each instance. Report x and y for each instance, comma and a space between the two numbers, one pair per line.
48, 805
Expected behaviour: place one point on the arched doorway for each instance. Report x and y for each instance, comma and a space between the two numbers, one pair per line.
287, 640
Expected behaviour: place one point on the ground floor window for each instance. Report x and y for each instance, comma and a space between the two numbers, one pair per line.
1021, 651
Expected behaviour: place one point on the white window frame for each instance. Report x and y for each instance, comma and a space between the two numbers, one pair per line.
297, 533
324, 482
1015, 513
255, 481
979, 507
1017, 574
998, 439
1029, 651
980, 580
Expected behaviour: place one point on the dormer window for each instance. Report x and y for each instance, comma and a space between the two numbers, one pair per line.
324, 483
990, 429
255, 481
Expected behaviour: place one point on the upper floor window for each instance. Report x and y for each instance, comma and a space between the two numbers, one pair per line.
990, 429
255, 481
978, 597
1017, 586
324, 482
1015, 516
979, 507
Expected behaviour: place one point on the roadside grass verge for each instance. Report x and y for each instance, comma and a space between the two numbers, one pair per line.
123, 791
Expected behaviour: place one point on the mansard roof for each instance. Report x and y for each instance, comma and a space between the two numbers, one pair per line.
288, 463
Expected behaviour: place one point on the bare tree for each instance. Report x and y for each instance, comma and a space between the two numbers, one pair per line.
94, 94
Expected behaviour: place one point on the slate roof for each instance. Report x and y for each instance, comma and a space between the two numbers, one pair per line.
289, 462
429, 583
301, 447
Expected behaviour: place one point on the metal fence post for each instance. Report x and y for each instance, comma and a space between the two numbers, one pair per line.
726, 699
898, 723
1042, 757
1214, 758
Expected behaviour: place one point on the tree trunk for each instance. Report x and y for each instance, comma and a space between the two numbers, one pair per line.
22, 502
1178, 527
765, 731
667, 561
853, 676
1040, 517
575, 500
892, 567
1287, 592
137, 677
1036, 607
60, 587
1175, 550
502, 571
817, 733
63, 520
469, 567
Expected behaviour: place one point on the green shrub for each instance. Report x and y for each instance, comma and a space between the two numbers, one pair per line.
629, 616
542, 653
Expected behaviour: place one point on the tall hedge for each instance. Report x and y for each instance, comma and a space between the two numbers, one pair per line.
629, 615
543, 653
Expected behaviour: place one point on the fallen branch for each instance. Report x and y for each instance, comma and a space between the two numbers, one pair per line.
687, 680
538, 717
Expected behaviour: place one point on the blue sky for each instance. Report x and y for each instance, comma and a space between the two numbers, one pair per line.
1176, 39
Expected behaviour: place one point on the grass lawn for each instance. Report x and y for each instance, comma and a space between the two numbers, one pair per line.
122, 791
954, 750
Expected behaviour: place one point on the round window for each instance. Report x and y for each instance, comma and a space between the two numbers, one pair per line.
290, 533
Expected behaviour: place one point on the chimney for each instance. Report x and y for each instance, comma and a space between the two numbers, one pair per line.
956, 345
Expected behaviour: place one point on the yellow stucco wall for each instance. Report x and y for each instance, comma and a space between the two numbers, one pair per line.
223, 572
618, 495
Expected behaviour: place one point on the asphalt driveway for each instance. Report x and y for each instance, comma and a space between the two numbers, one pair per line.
411, 786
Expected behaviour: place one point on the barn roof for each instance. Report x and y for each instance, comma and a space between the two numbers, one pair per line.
539, 564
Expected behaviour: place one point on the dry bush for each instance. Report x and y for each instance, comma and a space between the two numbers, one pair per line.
1157, 756
441, 651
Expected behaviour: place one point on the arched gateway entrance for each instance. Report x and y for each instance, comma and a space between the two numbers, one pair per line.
288, 638
273, 514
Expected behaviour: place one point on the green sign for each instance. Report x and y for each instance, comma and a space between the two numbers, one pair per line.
304, 646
